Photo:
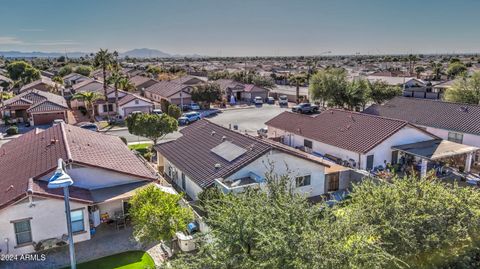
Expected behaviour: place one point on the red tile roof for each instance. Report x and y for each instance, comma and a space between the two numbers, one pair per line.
38, 101
36, 153
458, 117
348, 130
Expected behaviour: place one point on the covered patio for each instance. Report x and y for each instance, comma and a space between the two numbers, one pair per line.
434, 154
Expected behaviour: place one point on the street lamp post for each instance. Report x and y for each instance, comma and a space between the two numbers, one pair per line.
62, 180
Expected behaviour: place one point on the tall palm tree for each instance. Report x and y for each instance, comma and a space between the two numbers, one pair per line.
437, 69
298, 79
104, 59
88, 98
58, 80
114, 79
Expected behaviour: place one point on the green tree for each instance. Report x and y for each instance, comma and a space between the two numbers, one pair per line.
88, 98
456, 68
408, 223
329, 86
22, 71
297, 80
104, 59
154, 70
206, 93
65, 70
356, 94
419, 70
126, 85
380, 91
465, 90
84, 70
58, 84
114, 79
157, 215
164, 104
152, 126
437, 69
174, 111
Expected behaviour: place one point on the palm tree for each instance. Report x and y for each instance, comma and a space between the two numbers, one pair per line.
437, 69
88, 98
114, 79
124, 84
298, 79
104, 59
58, 81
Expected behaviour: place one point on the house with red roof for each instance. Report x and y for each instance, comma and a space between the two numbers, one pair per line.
36, 107
105, 174
355, 139
240, 91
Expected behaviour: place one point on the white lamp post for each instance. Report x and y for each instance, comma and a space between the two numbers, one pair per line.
62, 180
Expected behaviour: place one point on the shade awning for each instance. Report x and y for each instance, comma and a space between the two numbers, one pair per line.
435, 149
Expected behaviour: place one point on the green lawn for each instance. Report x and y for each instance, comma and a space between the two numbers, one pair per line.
125, 260
140, 147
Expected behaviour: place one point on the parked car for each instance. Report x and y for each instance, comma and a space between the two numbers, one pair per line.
305, 108
157, 111
188, 118
283, 100
194, 106
90, 126
270, 100
263, 132
258, 100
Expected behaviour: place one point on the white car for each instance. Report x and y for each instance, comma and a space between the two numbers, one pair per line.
283, 100
258, 100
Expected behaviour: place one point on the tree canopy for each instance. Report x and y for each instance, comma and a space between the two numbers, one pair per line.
22, 71
409, 223
157, 215
465, 90
174, 111
455, 68
206, 93
152, 126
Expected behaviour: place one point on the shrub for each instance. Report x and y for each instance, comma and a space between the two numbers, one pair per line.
12, 130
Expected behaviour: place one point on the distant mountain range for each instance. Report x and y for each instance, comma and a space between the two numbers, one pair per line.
136, 53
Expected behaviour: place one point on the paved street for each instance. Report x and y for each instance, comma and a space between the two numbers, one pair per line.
250, 119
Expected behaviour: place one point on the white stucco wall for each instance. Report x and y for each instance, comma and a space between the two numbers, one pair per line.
95, 178
47, 221
381, 152
192, 189
111, 207
284, 164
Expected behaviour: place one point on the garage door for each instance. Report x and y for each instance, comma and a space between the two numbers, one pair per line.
129, 110
47, 118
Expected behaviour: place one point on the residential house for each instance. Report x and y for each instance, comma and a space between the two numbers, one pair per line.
142, 82
74, 78
36, 107
4, 79
455, 122
174, 91
43, 84
240, 91
233, 161
353, 139
412, 87
131, 102
105, 173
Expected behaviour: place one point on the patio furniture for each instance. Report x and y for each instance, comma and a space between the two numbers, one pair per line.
120, 221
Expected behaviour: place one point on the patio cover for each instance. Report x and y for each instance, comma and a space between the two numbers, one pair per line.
119, 192
435, 149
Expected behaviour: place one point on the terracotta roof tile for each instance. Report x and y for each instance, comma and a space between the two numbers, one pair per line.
348, 130
458, 117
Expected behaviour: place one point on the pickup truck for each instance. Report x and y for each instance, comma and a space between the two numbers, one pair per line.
305, 108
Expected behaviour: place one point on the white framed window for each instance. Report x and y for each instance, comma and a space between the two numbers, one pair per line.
302, 181
455, 137
23, 231
78, 224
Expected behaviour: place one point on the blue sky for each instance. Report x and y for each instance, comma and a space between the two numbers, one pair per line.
242, 27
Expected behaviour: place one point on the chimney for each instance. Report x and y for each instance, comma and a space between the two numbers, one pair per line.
224, 138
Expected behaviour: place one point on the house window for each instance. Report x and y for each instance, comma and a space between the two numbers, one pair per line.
77, 220
455, 137
308, 143
302, 181
136, 102
23, 232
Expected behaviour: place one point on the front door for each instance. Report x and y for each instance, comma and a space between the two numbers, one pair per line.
333, 181
394, 157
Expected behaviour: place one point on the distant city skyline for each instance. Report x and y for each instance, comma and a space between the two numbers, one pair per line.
243, 28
